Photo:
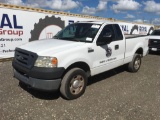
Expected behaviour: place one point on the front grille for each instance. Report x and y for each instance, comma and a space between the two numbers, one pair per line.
25, 58
154, 42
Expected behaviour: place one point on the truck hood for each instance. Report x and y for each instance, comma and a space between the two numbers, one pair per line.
154, 37
53, 46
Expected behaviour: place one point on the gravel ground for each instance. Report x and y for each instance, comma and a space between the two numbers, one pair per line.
113, 95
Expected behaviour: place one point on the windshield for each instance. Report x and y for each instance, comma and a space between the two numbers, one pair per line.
83, 32
156, 32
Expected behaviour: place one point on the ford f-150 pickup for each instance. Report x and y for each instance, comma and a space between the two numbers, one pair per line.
80, 50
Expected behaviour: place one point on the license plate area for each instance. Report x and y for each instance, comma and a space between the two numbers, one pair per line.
154, 49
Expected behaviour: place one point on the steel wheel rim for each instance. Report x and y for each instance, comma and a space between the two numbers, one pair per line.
76, 84
137, 63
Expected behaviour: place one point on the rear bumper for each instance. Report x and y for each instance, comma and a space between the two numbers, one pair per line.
41, 84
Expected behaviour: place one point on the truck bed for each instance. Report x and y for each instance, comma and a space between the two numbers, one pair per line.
133, 42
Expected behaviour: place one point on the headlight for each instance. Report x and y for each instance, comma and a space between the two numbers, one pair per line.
49, 62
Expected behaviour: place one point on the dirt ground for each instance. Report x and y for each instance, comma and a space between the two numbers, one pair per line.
113, 95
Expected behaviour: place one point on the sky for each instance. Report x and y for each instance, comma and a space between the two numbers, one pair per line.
147, 11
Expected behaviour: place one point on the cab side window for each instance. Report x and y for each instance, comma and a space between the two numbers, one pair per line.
107, 30
118, 32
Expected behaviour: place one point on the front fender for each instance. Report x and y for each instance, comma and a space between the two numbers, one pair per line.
71, 59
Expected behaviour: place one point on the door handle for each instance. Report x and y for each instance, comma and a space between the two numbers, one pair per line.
116, 47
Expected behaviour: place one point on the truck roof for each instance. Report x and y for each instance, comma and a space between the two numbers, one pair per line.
97, 22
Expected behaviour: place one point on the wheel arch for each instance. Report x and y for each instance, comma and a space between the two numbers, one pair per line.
82, 65
140, 51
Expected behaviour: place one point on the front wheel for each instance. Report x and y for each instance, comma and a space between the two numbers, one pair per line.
73, 84
135, 64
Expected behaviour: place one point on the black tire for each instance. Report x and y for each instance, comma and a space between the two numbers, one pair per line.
43, 23
135, 64
135, 27
73, 84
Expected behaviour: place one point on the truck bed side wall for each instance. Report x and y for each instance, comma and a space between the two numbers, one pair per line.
133, 44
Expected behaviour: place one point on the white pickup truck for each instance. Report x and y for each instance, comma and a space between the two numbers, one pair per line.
154, 41
77, 52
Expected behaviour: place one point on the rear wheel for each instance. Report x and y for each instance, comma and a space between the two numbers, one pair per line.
73, 83
135, 64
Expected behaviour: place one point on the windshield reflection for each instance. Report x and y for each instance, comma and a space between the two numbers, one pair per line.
81, 32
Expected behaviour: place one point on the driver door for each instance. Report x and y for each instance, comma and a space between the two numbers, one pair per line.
110, 55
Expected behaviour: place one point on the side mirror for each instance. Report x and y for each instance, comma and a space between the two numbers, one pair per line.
105, 39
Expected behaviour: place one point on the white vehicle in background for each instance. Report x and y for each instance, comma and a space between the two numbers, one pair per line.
77, 52
154, 40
